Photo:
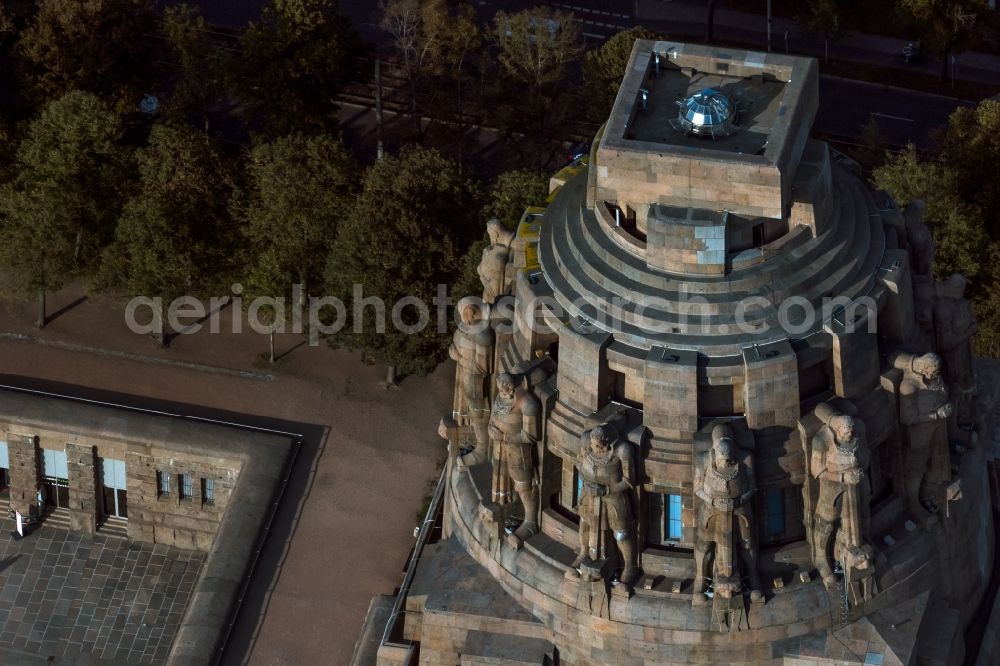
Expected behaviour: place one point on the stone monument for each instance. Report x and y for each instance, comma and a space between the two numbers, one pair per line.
840, 460
606, 465
721, 403
513, 434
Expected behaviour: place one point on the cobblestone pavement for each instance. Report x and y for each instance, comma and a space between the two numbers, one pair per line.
68, 595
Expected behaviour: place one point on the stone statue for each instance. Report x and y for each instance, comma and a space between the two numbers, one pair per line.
724, 484
472, 349
840, 458
514, 429
954, 326
923, 410
920, 246
919, 240
606, 464
492, 269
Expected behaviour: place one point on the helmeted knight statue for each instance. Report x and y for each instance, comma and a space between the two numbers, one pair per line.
607, 466
472, 350
954, 326
840, 459
514, 430
493, 269
724, 485
923, 410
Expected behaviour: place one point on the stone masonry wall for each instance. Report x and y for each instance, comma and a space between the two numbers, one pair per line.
80, 463
185, 523
23, 472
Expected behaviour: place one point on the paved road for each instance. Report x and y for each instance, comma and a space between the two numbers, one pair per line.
845, 106
903, 115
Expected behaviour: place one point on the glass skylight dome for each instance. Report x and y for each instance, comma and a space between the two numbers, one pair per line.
707, 112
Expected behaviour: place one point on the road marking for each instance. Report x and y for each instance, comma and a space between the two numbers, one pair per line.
594, 36
585, 9
885, 115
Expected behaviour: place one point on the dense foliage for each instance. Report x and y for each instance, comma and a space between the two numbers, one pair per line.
962, 195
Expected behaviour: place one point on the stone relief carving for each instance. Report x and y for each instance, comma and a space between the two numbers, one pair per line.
724, 485
840, 460
606, 464
472, 349
514, 431
493, 270
924, 408
954, 326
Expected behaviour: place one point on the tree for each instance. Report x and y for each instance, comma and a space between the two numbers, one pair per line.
512, 192
534, 94
174, 236
537, 45
98, 46
950, 26
963, 205
300, 187
821, 19
407, 233
197, 75
604, 68
59, 211
294, 62
437, 43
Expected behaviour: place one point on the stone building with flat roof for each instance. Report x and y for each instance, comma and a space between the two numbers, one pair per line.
720, 412
153, 478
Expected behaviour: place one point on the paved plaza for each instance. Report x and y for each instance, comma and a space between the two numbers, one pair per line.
83, 598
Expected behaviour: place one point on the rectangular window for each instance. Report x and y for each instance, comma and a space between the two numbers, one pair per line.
577, 487
163, 484
185, 486
775, 513
675, 525
208, 491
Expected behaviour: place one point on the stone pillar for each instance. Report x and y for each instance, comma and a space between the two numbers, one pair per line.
23, 450
81, 463
584, 379
855, 352
895, 319
771, 386
140, 475
670, 393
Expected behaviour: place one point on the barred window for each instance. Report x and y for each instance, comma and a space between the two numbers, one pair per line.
186, 486
163, 484
208, 491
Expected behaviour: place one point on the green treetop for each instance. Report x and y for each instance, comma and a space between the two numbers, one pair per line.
95, 45
413, 221
603, 69
294, 61
60, 209
175, 235
963, 206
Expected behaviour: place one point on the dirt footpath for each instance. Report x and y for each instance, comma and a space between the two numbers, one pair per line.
345, 528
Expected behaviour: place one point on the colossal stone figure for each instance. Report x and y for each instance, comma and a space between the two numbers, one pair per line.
919, 239
514, 430
840, 457
492, 267
724, 482
924, 409
606, 463
472, 349
920, 245
954, 326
